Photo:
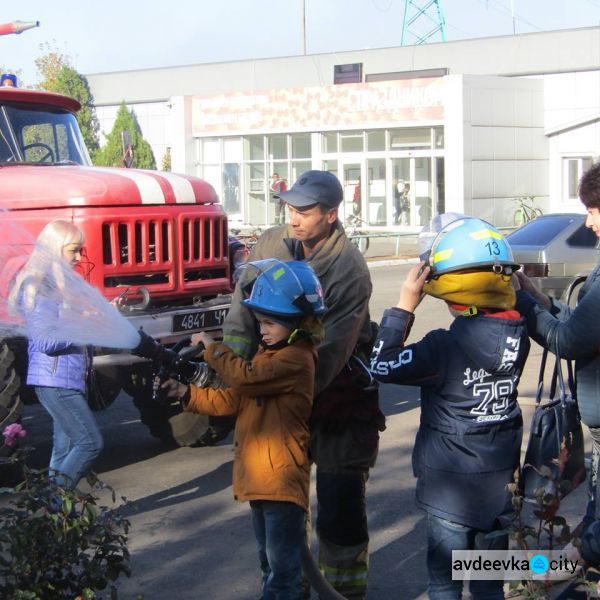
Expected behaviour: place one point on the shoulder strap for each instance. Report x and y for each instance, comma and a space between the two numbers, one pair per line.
557, 379
540, 385
558, 368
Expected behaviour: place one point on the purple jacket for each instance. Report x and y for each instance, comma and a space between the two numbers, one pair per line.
53, 363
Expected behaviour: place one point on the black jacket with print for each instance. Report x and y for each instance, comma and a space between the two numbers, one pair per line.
468, 443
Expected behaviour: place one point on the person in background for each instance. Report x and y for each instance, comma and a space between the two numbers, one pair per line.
405, 204
398, 190
469, 439
277, 186
356, 208
577, 332
272, 398
345, 418
57, 368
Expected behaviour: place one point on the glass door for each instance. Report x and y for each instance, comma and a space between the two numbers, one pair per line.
423, 191
414, 191
376, 191
402, 185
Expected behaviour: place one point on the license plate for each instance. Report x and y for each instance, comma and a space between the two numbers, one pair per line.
195, 320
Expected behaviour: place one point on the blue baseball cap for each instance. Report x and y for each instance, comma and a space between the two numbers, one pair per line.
314, 187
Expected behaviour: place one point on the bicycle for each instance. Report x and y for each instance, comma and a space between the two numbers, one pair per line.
525, 211
355, 234
247, 238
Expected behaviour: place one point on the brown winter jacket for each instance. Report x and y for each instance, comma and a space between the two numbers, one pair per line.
272, 399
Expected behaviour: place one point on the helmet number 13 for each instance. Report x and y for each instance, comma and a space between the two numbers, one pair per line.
493, 248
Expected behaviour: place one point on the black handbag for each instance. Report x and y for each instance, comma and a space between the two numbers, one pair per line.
554, 459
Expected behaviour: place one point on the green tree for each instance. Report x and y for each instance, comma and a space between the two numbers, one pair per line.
111, 154
166, 160
49, 65
58, 75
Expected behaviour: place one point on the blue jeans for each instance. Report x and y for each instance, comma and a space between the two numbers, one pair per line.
443, 537
279, 531
77, 441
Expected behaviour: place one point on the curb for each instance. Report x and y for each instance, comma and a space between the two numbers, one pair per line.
391, 262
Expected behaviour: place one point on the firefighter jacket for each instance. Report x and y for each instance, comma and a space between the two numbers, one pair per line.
468, 443
578, 332
272, 398
346, 284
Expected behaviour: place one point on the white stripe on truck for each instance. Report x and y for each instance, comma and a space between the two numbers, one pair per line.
182, 188
148, 187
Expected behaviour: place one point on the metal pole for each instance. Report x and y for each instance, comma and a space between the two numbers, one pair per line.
512, 12
303, 27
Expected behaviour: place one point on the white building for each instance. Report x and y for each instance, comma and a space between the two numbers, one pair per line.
464, 126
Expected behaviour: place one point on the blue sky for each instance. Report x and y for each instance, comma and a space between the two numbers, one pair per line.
110, 35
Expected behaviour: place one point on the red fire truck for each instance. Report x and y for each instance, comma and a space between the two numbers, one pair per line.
158, 240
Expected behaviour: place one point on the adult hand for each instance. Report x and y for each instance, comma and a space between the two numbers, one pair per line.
411, 292
525, 284
202, 338
174, 389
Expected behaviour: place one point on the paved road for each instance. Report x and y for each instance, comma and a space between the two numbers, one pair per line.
190, 540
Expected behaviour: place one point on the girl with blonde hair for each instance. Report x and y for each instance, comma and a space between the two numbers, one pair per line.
58, 368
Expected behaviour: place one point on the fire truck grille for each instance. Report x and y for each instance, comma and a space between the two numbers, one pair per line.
202, 239
136, 242
186, 253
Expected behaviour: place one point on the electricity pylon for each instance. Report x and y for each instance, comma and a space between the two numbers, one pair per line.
422, 20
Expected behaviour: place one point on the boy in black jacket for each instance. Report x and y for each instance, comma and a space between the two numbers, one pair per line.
469, 440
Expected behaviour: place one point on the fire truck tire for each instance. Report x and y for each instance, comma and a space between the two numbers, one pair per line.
11, 403
169, 423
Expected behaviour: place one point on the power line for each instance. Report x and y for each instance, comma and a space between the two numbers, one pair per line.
503, 9
375, 4
593, 3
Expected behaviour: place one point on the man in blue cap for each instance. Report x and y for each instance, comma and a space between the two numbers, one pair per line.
345, 418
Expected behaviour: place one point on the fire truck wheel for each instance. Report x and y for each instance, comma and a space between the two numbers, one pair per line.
169, 423
11, 403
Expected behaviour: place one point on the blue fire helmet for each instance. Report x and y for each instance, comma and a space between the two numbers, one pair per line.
285, 289
431, 229
470, 243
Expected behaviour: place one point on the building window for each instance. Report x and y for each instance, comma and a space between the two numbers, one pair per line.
255, 147
257, 177
376, 140
438, 133
410, 138
573, 169
331, 166
211, 150
301, 147
351, 141
278, 147
329, 142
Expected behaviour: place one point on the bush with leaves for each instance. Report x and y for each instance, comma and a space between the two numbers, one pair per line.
57, 543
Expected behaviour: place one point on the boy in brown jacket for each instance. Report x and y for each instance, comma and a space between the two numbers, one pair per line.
272, 399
